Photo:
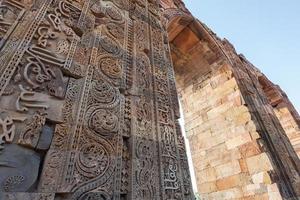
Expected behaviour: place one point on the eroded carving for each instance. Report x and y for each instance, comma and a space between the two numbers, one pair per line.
111, 67
8, 128
104, 93
103, 122
93, 160
28, 99
32, 131
110, 46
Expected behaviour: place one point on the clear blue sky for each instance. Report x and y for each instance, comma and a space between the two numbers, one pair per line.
267, 32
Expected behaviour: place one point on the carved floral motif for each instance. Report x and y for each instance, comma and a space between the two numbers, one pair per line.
103, 122
104, 93
31, 134
111, 67
7, 132
93, 160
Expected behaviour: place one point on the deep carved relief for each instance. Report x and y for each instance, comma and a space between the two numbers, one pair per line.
81, 103
7, 131
93, 160
103, 122
111, 67
31, 134
88, 102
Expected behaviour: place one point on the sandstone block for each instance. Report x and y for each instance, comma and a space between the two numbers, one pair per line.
262, 177
228, 169
208, 187
238, 141
254, 189
249, 149
232, 181
233, 193
258, 163
207, 175
243, 165
273, 192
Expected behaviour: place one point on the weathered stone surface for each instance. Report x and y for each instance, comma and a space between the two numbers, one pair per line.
259, 163
89, 108
26, 196
19, 168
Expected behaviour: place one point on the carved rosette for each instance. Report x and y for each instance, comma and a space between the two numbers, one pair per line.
93, 160
104, 93
102, 122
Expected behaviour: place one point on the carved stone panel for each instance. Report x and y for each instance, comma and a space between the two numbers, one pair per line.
85, 102
89, 107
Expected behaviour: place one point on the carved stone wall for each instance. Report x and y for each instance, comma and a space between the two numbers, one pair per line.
88, 102
240, 148
89, 107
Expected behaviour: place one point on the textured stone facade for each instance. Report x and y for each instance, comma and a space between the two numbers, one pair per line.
88, 102
242, 141
89, 108
227, 159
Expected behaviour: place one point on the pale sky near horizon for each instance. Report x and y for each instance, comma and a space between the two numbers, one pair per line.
267, 32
